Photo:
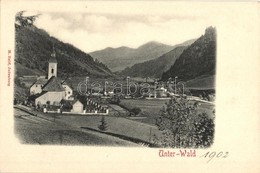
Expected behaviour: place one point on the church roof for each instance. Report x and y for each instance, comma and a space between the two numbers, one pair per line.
39, 95
53, 84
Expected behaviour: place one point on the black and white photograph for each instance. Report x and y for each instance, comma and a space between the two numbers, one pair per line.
157, 90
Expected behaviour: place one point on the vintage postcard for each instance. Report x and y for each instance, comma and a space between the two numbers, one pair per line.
130, 86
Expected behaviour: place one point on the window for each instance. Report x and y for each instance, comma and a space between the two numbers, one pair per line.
35, 85
69, 92
52, 70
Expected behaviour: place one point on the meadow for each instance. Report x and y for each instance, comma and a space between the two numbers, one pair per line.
45, 129
150, 109
117, 125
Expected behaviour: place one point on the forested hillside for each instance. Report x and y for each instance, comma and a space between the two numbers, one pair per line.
197, 60
154, 68
33, 49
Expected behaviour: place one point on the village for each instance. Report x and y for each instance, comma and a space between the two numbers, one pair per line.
127, 109
51, 94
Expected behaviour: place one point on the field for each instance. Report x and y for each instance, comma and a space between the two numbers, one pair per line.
78, 129
202, 83
151, 108
116, 125
37, 130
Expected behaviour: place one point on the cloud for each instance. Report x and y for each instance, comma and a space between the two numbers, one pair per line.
97, 23
94, 31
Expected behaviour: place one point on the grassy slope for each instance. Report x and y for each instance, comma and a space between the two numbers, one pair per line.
151, 108
34, 130
142, 129
118, 125
202, 83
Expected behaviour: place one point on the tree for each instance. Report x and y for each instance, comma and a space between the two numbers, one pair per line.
115, 100
48, 104
15, 101
204, 131
24, 21
103, 126
182, 126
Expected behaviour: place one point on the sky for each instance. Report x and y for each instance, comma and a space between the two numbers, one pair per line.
98, 29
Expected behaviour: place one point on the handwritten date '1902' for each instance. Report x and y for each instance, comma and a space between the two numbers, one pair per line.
212, 155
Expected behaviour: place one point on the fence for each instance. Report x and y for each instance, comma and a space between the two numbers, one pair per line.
45, 110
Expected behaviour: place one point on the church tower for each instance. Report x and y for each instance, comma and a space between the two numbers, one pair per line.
52, 71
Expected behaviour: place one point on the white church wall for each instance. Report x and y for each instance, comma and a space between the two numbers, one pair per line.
52, 97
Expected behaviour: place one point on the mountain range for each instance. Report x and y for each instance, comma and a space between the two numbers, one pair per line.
193, 61
34, 47
154, 68
194, 64
117, 59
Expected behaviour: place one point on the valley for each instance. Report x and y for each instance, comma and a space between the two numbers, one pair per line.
116, 96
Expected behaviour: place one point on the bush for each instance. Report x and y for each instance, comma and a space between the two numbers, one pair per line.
135, 111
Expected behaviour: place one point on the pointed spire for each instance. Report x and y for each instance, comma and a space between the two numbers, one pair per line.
53, 55
53, 51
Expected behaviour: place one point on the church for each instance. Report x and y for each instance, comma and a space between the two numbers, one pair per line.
51, 90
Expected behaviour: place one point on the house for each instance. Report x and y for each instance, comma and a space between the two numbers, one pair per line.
160, 92
36, 87
77, 107
68, 92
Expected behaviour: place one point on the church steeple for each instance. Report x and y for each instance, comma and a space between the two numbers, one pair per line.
52, 71
53, 54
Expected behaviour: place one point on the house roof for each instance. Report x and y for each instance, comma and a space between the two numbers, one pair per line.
41, 81
66, 85
75, 101
53, 84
